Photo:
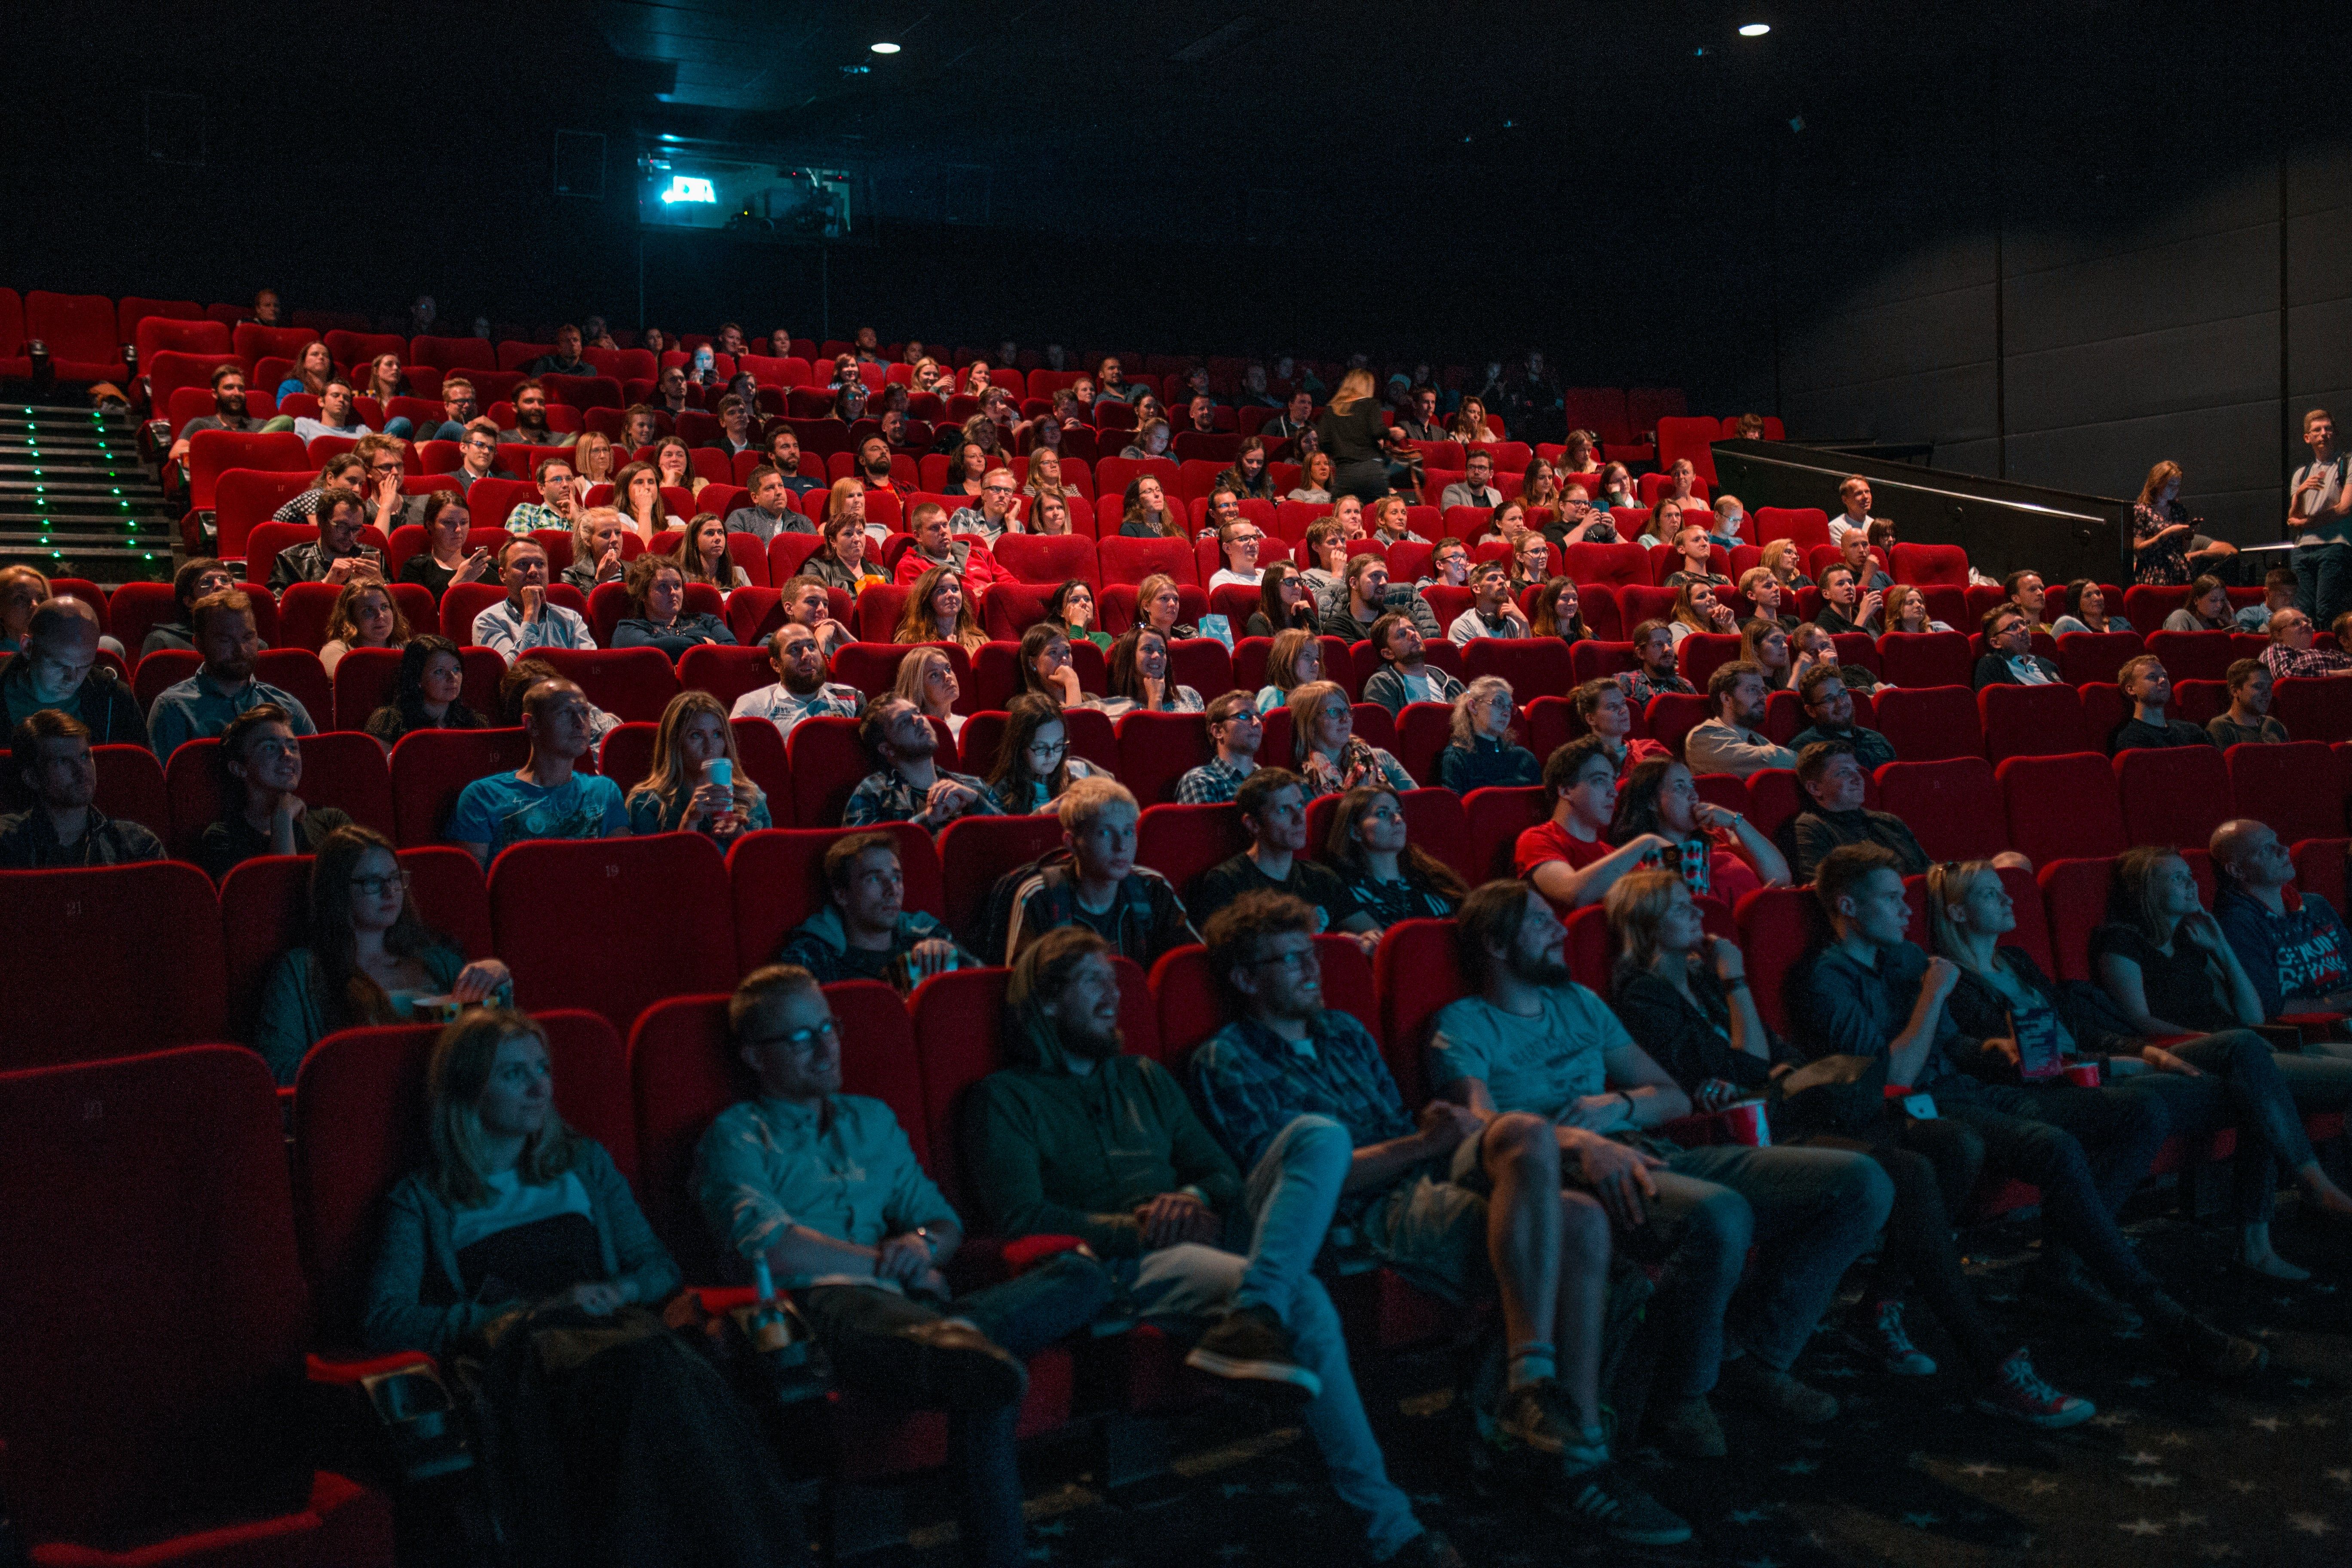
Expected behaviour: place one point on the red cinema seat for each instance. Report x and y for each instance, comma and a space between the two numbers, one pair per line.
878, 609
2060, 807
1130, 560
2311, 708
130, 786
1434, 821
365, 676
79, 330
1536, 666
2191, 656
2075, 904
1416, 971
106, 927
1180, 842
1423, 731
827, 762
1953, 806
1192, 1003
2294, 789
430, 768
1925, 724
1778, 926
635, 682
1702, 653
1048, 559
137, 1193
569, 919
778, 881
2173, 794
727, 673
2034, 722
2087, 658
343, 769
1493, 820
1774, 800
244, 500
212, 453
1808, 525
1671, 715
1931, 565
974, 851
360, 1127
1591, 659
1155, 749
1623, 565
1923, 659
683, 1071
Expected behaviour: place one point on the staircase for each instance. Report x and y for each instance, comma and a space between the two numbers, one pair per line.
75, 499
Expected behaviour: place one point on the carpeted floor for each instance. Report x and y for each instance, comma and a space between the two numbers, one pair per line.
2170, 1471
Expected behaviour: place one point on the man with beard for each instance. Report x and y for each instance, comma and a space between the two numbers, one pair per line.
565, 359
222, 686
1080, 1138
908, 786
801, 690
531, 427
336, 556
874, 461
228, 411
669, 392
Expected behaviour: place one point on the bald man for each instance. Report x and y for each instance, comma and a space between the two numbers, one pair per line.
2292, 944
59, 669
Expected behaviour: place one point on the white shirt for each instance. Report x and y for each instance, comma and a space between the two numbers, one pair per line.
1842, 525
1469, 623
2028, 673
784, 709
1226, 576
501, 627
2312, 503
311, 429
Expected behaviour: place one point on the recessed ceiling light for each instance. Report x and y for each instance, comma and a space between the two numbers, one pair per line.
1755, 29
886, 48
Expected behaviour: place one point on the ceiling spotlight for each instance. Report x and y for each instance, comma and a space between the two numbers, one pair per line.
886, 48
1755, 29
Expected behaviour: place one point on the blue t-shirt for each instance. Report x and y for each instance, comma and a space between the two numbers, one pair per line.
502, 810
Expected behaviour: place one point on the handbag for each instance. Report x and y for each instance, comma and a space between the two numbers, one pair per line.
1842, 1093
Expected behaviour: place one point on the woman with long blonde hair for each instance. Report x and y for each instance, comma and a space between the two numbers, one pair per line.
1349, 429
1325, 749
927, 678
681, 792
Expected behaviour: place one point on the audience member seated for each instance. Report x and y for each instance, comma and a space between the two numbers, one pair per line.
1360, 601
335, 416
2090, 611
445, 559
864, 931
1046, 669
1845, 607
657, 594
1159, 608
24, 590
637, 493
1685, 999
840, 562
999, 511
1693, 551
1392, 523
821, 1191
1097, 884
1530, 563
2149, 689
596, 553
2293, 649
770, 511
1854, 493
525, 618
2206, 609
1476, 486
908, 786
2009, 658
927, 678
1239, 540
1654, 669
366, 957
1604, 708
477, 454
2291, 945
260, 766
1765, 644
1832, 779
2248, 717
546, 797
1290, 1076
222, 687
1296, 660
1325, 749
425, 692
1559, 612
1390, 877
696, 783
229, 412
1034, 765
518, 1228
1871, 993
50, 750
1072, 608
1569, 859
1830, 706
1531, 1041
58, 667
1404, 677
1905, 610
1733, 740
702, 555
197, 578
365, 616
801, 690
1719, 851
345, 471
933, 549
1236, 730
1484, 748
458, 412
337, 555
1494, 613
2278, 594
560, 490
1273, 806
1328, 539
1137, 678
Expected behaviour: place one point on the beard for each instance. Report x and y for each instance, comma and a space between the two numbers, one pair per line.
232, 404
530, 418
801, 685
1546, 969
1091, 1046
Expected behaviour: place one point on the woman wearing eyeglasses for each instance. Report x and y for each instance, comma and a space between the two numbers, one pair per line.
368, 957
1033, 764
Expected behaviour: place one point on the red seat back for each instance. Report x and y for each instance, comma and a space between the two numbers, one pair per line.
777, 878
2295, 789
2033, 722
635, 682
1193, 1004
1778, 926
343, 769
1493, 820
569, 918
1927, 723
430, 768
101, 931
1931, 565
2190, 656
2075, 904
2173, 794
1923, 659
2088, 658
1180, 842
1416, 971
2313, 708
1155, 749
2061, 805
827, 762
1953, 806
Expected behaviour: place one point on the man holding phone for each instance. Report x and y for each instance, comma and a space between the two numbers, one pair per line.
865, 932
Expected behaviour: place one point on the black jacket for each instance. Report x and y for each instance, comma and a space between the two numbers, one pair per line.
1993, 669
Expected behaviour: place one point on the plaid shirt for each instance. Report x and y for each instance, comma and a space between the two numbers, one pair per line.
532, 515
887, 796
1252, 1083
1211, 784
2283, 662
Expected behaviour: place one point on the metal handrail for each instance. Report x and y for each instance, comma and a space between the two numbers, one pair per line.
1754, 456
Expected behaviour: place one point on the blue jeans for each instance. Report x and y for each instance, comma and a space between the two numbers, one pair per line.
1275, 1235
2323, 581
1024, 1316
448, 430
1808, 1212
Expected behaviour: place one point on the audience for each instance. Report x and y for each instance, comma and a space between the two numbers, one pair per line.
2162, 529
934, 550
1602, 708
1719, 850
696, 782
598, 535
1296, 660
2149, 689
1389, 876
260, 765
1732, 741
2248, 717
1845, 607
2009, 658
2206, 609
1272, 803
1046, 667
657, 586
1236, 731
1096, 883
1559, 612
365, 616
908, 786
63, 828
1854, 492
1072, 608
2294, 650
338, 554
1137, 680
927, 678
1484, 748
1830, 706
1655, 670
771, 510
2090, 612
546, 797
1528, 1039
1034, 765
1404, 677
59, 668
1835, 785
822, 1191
1494, 612
1871, 993
1325, 749
800, 689
2278, 594
864, 931
426, 693
2291, 943
526, 619
223, 688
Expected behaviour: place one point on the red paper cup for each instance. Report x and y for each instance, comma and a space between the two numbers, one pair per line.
1746, 1125
2086, 1074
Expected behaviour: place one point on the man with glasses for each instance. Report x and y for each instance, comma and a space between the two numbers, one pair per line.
457, 411
1830, 706
2009, 658
865, 932
383, 459
558, 503
669, 393
821, 1191
477, 456
993, 519
1240, 539
1099, 887
1236, 730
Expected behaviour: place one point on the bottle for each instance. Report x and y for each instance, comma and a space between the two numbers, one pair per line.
770, 1330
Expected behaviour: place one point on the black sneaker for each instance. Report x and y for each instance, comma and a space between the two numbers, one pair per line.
1250, 1344
1775, 1392
951, 1364
1606, 1498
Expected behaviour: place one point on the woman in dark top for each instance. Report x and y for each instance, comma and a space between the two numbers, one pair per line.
657, 593
1285, 600
1484, 752
518, 1243
199, 578
2165, 965
424, 693
445, 560
1684, 996
1352, 431
260, 760
1390, 876
2161, 529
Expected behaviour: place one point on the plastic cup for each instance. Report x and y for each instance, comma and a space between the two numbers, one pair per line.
2084, 1074
1745, 1123
720, 772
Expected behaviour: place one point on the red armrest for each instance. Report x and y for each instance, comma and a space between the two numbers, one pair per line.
336, 1371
